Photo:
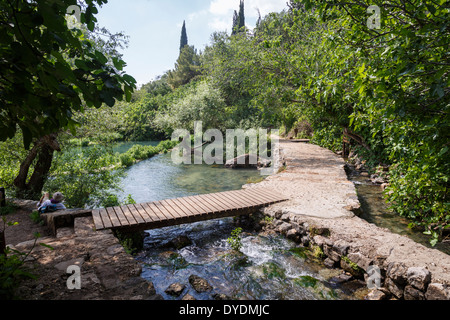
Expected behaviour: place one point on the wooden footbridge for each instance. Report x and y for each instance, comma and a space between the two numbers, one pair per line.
169, 212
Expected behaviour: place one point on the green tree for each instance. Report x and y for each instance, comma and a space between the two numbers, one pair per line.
238, 19
184, 38
241, 16
186, 69
49, 72
199, 101
402, 85
84, 176
235, 27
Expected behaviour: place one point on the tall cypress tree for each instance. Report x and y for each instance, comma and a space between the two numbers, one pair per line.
241, 15
239, 19
235, 28
184, 38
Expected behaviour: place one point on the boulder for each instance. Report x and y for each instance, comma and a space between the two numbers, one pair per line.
362, 261
341, 247
293, 235
180, 242
412, 293
321, 241
396, 271
329, 263
284, 227
243, 161
187, 296
437, 291
175, 289
199, 284
394, 288
376, 295
419, 277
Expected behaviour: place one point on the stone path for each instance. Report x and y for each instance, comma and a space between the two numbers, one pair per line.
322, 212
107, 271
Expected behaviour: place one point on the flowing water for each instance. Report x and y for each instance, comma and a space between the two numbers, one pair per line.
375, 210
267, 267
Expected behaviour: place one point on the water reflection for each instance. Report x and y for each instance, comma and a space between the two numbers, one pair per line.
158, 178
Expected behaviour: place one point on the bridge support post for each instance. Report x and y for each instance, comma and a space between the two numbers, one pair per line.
132, 241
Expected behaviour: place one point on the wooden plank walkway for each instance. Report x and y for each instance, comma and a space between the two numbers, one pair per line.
169, 212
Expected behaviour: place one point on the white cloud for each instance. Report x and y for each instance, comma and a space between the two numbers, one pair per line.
221, 11
226, 7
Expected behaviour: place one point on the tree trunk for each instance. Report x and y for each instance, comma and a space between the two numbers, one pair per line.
2, 242
43, 150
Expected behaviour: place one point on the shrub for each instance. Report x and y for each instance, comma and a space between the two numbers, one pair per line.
235, 239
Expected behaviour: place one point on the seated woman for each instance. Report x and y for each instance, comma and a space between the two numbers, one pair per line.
52, 204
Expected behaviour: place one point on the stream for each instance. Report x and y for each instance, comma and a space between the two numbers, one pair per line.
267, 267
375, 210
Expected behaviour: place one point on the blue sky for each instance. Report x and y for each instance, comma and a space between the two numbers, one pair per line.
154, 27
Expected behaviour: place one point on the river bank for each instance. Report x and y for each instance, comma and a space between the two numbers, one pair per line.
321, 214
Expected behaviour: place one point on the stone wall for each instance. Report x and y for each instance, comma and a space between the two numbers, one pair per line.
400, 278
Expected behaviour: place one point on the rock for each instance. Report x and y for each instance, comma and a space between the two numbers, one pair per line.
62, 266
187, 296
84, 226
376, 295
419, 277
243, 161
293, 235
115, 249
322, 231
138, 286
64, 232
199, 284
107, 276
220, 296
331, 254
350, 267
362, 261
305, 240
180, 242
437, 291
175, 289
321, 241
284, 227
394, 288
412, 293
329, 263
343, 277
278, 214
397, 272
341, 247
264, 163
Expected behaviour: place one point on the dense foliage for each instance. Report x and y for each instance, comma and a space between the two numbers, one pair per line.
402, 104
49, 71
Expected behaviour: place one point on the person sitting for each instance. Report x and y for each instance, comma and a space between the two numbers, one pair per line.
53, 204
45, 197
